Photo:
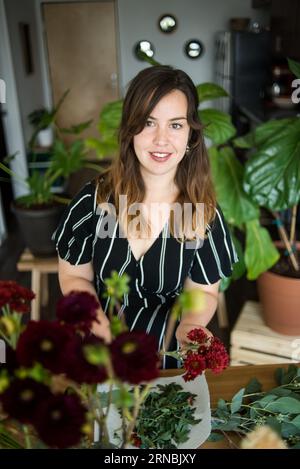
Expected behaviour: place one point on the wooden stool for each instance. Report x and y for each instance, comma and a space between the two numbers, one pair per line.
40, 268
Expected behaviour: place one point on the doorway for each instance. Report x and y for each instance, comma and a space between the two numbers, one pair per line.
82, 58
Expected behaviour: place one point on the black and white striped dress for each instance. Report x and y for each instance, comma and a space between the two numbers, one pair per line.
157, 278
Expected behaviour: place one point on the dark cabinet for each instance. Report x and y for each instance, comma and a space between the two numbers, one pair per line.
285, 28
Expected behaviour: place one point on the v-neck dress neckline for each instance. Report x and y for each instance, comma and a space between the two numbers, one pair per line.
137, 261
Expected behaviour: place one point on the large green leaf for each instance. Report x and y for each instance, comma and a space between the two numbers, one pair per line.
110, 118
262, 133
218, 124
260, 252
294, 67
239, 267
227, 174
103, 148
285, 405
209, 91
237, 401
272, 174
67, 159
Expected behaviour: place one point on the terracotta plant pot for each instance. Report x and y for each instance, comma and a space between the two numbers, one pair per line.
280, 299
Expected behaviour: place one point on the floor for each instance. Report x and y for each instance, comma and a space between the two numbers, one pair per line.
238, 293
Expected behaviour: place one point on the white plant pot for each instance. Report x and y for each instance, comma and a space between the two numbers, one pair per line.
45, 137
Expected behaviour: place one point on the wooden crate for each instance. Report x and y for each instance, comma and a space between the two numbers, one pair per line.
254, 343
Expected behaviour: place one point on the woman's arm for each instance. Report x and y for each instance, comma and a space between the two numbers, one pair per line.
191, 321
80, 278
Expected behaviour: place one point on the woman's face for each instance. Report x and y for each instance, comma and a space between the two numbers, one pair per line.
161, 145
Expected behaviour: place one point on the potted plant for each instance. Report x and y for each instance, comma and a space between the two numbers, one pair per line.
43, 121
268, 182
39, 211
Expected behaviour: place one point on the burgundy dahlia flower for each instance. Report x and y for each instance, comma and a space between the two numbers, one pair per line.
60, 419
76, 365
44, 342
134, 357
21, 399
78, 309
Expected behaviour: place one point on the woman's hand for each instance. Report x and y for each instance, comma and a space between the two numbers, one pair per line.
102, 328
183, 330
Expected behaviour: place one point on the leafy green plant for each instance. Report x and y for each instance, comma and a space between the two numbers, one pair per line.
166, 417
65, 159
250, 407
43, 118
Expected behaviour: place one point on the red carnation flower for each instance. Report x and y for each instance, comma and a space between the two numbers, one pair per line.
134, 357
15, 296
78, 309
21, 398
44, 342
194, 365
136, 440
198, 335
76, 365
60, 419
217, 358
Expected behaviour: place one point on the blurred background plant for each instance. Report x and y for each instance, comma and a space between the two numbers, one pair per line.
64, 159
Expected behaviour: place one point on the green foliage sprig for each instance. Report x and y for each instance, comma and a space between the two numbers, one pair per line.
250, 406
166, 417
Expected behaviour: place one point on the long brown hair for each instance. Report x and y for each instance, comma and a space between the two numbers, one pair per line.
193, 173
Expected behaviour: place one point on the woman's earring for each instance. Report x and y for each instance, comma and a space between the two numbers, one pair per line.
187, 150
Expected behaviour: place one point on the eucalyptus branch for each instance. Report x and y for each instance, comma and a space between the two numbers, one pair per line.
231, 443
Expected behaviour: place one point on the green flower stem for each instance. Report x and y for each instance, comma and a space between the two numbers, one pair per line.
139, 398
174, 354
100, 418
110, 374
27, 437
6, 310
7, 339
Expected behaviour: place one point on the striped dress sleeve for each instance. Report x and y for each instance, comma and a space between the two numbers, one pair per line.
74, 236
214, 259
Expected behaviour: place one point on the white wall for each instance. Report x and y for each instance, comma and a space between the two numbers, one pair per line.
30, 87
12, 123
197, 19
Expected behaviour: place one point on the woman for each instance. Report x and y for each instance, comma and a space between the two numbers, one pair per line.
163, 164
